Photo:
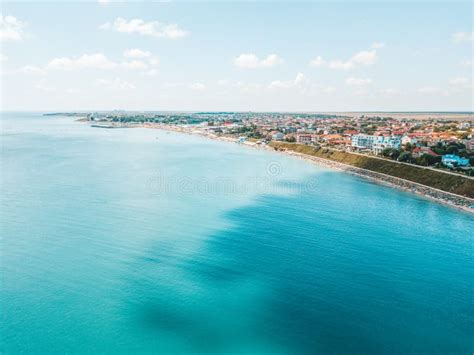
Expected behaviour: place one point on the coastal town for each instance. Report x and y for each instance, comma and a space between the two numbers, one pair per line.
437, 141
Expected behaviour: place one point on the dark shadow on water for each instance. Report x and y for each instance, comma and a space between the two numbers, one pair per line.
293, 275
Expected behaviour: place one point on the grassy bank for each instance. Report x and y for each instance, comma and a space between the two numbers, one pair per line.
451, 183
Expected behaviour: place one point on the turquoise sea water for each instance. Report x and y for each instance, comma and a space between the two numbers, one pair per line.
141, 241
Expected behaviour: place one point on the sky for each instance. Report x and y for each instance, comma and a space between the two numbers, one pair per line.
237, 56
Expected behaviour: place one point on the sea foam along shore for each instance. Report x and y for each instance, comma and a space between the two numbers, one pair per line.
443, 197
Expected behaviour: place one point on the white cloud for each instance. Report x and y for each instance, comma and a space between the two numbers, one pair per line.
359, 59
361, 92
32, 70
3, 58
317, 62
271, 61
242, 87
115, 84
154, 61
11, 29
358, 81
377, 45
151, 72
391, 92
467, 63
460, 37
429, 90
86, 61
73, 91
139, 26
135, 65
138, 57
250, 88
247, 61
459, 81
278, 84
364, 58
300, 81
99, 61
339, 64
329, 89
197, 86
251, 61
300, 85
136, 53
43, 86
171, 85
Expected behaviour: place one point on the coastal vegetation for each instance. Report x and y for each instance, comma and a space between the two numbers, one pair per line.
452, 183
436, 151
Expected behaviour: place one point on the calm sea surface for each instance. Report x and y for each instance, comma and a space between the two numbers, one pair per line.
140, 241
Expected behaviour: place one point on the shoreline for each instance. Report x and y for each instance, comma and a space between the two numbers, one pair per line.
431, 193
442, 197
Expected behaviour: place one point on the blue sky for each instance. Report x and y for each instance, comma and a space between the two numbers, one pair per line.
237, 56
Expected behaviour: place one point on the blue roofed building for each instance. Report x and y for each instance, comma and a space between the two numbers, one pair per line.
452, 160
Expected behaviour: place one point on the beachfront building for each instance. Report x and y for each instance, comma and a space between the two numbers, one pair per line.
383, 142
331, 138
452, 160
375, 143
362, 141
305, 138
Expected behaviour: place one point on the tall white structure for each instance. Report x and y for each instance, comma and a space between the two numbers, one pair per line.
382, 143
375, 143
363, 141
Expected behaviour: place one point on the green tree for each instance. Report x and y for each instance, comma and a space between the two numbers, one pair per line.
452, 149
427, 160
405, 157
386, 152
438, 150
391, 153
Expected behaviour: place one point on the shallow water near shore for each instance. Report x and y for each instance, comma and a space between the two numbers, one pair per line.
140, 241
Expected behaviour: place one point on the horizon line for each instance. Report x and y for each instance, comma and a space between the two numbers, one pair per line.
242, 111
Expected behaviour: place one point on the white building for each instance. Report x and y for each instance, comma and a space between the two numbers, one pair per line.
382, 143
375, 143
305, 138
363, 141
